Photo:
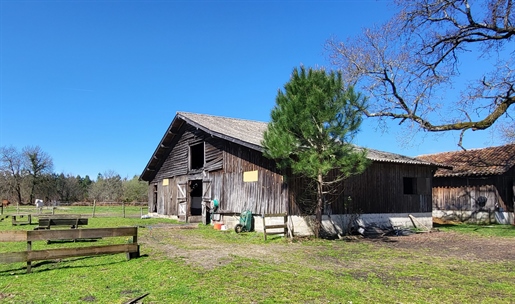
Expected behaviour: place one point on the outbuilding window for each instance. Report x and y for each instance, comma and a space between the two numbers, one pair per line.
410, 185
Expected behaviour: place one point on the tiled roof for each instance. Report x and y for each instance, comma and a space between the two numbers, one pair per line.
382, 156
474, 162
245, 132
248, 131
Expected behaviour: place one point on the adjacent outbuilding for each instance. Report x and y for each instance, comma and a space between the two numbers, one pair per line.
479, 188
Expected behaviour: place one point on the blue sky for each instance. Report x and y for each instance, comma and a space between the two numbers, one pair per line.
95, 84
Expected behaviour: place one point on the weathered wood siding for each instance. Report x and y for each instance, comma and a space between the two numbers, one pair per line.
266, 195
176, 163
380, 189
225, 164
461, 193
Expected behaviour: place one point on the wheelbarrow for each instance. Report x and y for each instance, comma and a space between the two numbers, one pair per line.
245, 223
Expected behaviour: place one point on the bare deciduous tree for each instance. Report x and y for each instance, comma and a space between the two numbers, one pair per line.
11, 165
411, 65
37, 163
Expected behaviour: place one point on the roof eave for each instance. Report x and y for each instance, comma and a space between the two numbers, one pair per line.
150, 169
149, 173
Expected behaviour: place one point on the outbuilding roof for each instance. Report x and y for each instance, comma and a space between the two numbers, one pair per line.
248, 133
474, 162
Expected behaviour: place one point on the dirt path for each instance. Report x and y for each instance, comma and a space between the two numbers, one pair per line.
208, 253
457, 245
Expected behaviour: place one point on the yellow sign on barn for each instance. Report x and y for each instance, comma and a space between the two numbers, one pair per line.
165, 182
250, 176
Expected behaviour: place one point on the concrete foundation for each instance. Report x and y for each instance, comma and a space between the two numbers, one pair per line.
476, 217
334, 224
338, 223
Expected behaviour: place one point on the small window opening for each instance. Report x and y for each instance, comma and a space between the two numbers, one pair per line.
197, 156
410, 185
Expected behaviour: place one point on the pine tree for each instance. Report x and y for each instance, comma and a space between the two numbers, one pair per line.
311, 129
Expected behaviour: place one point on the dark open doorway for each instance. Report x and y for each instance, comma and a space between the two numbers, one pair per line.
154, 199
196, 197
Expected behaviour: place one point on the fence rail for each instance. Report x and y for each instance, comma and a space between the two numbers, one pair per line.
131, 249
281, 228
92, 210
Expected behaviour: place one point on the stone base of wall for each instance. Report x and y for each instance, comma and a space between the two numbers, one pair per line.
476, 217
334, 224
338, 223
157, 215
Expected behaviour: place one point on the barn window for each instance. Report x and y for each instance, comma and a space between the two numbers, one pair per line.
410, 185
197, 156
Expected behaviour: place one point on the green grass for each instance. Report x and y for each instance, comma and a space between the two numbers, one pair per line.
108, 210
303, 271
493, 230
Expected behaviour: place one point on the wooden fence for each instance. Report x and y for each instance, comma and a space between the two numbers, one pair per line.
131, 249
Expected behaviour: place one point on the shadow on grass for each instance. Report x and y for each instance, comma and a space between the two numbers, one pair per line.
35, 266
73, 241
437, 225
472, 226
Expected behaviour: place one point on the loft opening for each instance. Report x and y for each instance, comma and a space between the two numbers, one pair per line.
197, 156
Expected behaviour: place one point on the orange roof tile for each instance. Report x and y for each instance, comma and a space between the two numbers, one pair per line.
474, 162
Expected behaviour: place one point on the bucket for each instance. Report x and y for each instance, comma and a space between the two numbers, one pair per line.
218, 226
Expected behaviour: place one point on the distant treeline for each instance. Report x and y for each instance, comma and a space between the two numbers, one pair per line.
28, 174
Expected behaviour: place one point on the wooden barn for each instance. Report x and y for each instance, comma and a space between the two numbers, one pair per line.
209, 168
479, 188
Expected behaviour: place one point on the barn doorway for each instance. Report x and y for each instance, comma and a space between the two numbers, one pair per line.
196, 197
154, 199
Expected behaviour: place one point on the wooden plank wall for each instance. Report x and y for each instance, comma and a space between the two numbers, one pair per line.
377, 190
267, 195
460, 193
176, 164
464, 198
225, 164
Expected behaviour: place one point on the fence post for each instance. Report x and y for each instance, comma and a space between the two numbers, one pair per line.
94, 206
29, 248
123, 209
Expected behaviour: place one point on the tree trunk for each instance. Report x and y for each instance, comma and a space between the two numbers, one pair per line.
18, 194
320, 205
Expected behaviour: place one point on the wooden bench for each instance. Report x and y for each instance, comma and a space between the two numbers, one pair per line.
45, 222
131, 249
